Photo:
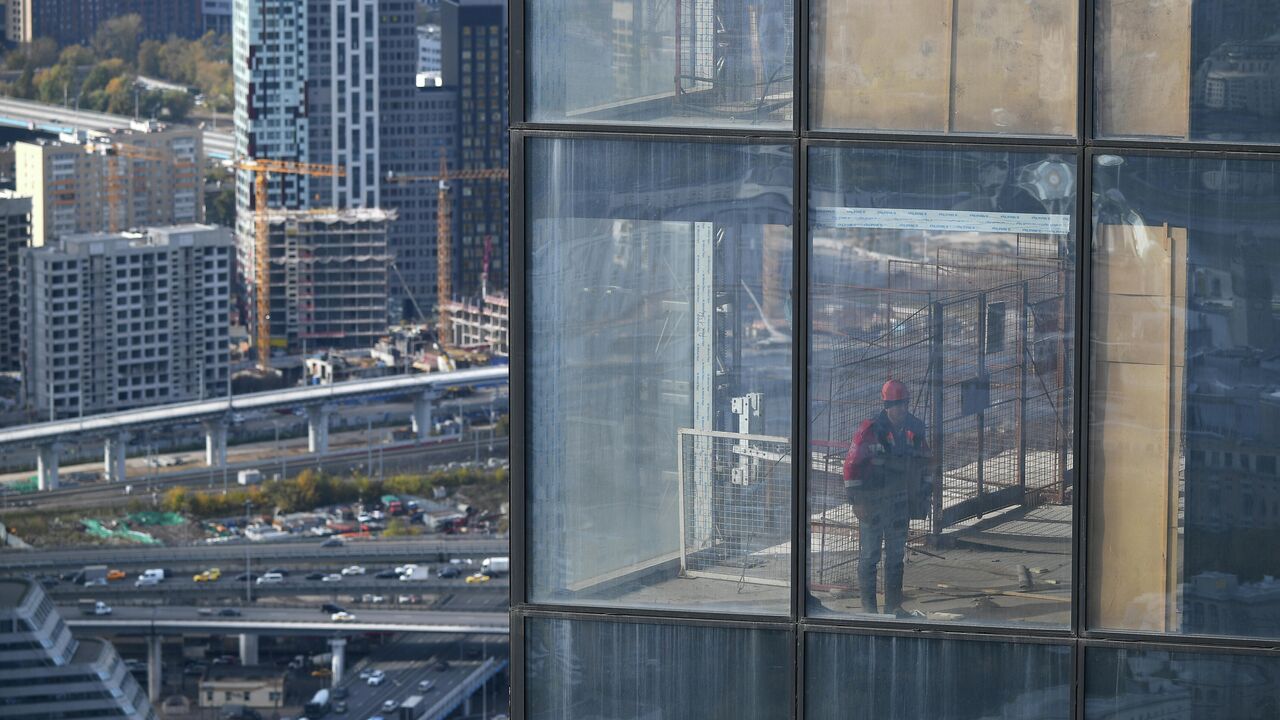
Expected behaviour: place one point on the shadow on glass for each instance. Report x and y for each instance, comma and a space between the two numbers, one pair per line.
1162, 684
941, 480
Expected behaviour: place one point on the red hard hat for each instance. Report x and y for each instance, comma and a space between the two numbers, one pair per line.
894, 391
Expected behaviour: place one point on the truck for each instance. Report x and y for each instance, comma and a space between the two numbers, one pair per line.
249, 477
94, 575
393, 505
412, 708
157, 573
493, 566
418, 572
318, 705
94, 607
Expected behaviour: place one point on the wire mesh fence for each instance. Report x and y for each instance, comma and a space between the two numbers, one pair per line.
735, 507
982, 342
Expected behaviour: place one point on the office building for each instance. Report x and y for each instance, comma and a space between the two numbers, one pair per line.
47, 673
938, 380
473, 62
15, 235
107, 182
429, 64
73, 22
111, 322
216, 16
329, 276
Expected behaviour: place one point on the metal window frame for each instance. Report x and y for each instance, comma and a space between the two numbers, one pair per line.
1084, 147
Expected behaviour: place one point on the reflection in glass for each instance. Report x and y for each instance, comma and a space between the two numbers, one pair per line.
1188, 70
701, 63
863, 677
659, 278
940, 384
1184, 521
957, 66
1161, 684
628, 671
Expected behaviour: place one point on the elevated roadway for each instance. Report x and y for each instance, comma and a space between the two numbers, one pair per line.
33, 115
283, 621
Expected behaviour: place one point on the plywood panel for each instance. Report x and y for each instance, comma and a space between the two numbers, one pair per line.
1015, 67
1144, 65
1138, 329
1136, 261
882, 64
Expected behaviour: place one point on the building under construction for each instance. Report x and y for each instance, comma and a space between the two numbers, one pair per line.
328, 283
480, 324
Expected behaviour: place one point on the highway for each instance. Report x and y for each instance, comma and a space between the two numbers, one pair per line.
262, 555
411, 659
59, 119
287, 621
409, 456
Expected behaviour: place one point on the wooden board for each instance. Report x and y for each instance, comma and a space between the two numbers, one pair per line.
1015, 67
1143, 80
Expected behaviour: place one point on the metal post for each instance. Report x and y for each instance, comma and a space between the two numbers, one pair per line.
1024, 355
936, 378
981, 415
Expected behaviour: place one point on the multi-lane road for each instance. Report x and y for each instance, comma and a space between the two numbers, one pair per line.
283, 621
56, 118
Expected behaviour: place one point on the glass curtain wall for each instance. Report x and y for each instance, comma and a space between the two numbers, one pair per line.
948, 394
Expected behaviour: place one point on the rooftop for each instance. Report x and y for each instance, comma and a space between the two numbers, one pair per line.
13, 590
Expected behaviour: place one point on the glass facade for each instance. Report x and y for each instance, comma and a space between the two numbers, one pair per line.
1009, 284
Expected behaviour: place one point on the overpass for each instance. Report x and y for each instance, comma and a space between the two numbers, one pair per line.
31, 115
215, 416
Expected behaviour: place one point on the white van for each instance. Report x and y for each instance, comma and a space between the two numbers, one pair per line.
270, 578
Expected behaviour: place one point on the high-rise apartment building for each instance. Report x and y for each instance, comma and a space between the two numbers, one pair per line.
15, 235
473, 63
111, 322
47, 673
216, 15
73, 22
329, 277
335, 84
108, 182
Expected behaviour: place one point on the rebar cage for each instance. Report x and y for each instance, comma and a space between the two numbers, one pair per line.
983, 341
735, 507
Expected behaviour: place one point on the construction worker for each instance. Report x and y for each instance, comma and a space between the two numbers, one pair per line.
885, 479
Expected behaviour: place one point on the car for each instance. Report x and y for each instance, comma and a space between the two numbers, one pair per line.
332, 608
332, 542
321, 673
386, 574
229, 612
343, 616
426, 685
389, 705
114, 574
408, 567
375, 680
270, 578
193, 669
477, 578
210, 575
315, 576
204, 611
448, 571
366, 673
339, 693
353, 570
331, 577
442, 665
246, 576
340, 707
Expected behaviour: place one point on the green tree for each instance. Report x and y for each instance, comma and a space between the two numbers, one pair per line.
41, 53
149, 58
119, 38
76, 56
56, 84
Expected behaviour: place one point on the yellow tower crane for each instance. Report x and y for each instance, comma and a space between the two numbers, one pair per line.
262, 169
444, 235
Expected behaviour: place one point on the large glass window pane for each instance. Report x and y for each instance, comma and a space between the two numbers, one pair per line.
865, 677
700, 63
659, 306
940, 384
1178, 69
631, 671
944, 66
1132, 683
1184, 422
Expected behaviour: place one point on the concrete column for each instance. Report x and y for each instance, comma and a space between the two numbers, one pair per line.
422, 406
318, 429
114, 453
338, 646
248, 649
47, 466
215, 443
155, 649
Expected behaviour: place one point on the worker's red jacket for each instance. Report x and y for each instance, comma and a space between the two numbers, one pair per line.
877, 437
